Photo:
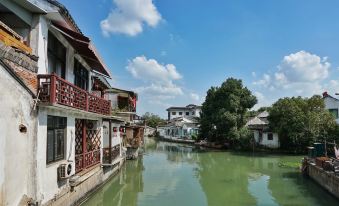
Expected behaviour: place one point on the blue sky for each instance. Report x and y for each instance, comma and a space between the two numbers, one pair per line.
172, 51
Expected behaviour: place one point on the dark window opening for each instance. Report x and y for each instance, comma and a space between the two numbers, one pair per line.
56, 53
187, 113
174, 113
334, 113
180, 113
56, 127
269, 136
80, 75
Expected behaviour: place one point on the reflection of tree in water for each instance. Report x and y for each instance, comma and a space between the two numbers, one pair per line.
123, 189
224, 179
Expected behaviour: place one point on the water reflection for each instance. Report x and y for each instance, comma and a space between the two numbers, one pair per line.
174, 175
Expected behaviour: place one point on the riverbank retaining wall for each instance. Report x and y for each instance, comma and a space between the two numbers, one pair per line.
326, 179
75, 195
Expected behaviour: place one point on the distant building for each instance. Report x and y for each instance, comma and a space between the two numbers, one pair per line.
180, 128
190, 110
332, 104
262, 135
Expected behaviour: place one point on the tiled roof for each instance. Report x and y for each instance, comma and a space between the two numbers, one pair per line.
23, 66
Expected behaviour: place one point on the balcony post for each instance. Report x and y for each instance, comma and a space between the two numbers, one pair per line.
53, 89
110, 141
87, 101
84, 144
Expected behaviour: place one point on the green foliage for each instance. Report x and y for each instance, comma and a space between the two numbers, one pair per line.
152, 120
223, 112
246, 139
293, 165
301, 121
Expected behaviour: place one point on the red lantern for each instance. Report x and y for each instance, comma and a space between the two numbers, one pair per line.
115, 129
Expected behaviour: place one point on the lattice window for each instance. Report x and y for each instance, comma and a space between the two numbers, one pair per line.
78, 136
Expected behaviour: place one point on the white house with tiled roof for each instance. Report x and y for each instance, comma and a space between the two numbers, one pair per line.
262, 135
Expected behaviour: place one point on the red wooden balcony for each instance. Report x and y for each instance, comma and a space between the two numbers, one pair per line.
55, 90
86, 160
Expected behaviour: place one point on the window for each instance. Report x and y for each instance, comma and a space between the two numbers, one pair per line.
55, 138
269, 136
56, 53
180, 113
80, 75
193, 113
174, 113
334, 113
187, 113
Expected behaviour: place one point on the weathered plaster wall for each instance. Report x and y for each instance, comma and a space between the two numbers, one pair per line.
49, 187
17, 149
327, 180
265, 142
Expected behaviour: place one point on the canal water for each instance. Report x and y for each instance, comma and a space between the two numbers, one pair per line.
170, 174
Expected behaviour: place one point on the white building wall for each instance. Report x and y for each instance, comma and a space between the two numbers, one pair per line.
48, 183
264, 140
183, 111
331, 103
17, 150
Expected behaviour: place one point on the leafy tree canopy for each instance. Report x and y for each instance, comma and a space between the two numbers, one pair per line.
223, 112
301, 121
152, 120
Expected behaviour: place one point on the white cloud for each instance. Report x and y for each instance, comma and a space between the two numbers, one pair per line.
158, 89
298, 74
129, 17
150, 70
302, 67
158, 79
194, 96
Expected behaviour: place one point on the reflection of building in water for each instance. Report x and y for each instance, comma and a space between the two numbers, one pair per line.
123, 188
178, 153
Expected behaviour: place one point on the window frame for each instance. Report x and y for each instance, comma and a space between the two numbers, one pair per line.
81, 75
270, 136
56, 53
56, 125
180, 113
336, 116
174, 113
187, 113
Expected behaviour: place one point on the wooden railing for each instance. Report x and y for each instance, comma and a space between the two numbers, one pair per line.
55, 90
110, 154
89, 159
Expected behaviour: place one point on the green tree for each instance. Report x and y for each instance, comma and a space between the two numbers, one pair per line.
152, 120
223, 112
301, 121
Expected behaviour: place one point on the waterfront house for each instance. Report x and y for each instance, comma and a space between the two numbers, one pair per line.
57, 122
262, 134
190, 110
149, 131
180, 128
332, 105
124, 103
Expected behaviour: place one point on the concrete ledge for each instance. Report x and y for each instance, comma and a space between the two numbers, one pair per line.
326, 179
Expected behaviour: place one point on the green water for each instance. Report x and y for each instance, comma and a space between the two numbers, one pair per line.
175, 175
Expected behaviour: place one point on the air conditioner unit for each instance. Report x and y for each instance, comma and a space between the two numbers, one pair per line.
65, 171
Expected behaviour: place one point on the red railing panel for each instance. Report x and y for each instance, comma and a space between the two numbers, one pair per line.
53, 89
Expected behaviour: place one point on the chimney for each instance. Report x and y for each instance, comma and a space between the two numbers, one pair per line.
325, 94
